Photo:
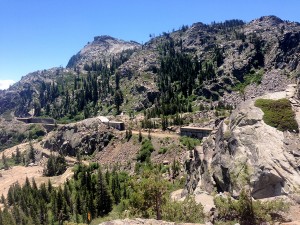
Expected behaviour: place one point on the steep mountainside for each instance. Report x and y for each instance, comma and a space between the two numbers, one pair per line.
20, 98
262, 55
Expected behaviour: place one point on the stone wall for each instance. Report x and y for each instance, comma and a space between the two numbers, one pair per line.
115, 124
37, 120
194, 132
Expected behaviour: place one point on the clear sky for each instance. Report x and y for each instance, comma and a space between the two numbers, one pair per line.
40, 34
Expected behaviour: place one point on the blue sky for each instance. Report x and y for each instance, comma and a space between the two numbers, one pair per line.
40, 34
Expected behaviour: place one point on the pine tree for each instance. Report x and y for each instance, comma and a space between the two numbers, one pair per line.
1, 220
34, 186
50, 167
104, 200
44, 192
118, 100
43, 212
128, 133
50, 187
3, 199
7, 218
16, 214
115, 186
18, 157
107, 176
140, 136
175, 168
10, 196
4, 161
31, 154
56, 165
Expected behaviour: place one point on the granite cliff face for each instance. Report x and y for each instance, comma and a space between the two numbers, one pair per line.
247, 153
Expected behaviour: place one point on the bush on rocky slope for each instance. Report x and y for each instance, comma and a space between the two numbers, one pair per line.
278, 114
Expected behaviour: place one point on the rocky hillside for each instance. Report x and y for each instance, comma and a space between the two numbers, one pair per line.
21, 96
102, 48
201, 66
262, 55
245, 152
84, 138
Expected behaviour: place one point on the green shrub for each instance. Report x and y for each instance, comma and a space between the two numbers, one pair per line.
251, 78
145, 151
189, 142
248, 211
165, 169
227, 134
36, 131
162, 150
187, 211
278, 114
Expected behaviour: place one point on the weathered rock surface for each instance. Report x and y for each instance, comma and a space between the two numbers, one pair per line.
247, 153
87, 136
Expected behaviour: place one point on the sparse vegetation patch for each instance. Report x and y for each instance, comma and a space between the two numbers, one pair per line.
251, 78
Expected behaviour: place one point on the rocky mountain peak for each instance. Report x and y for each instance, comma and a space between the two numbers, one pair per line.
103, 38
103, 47
267, 21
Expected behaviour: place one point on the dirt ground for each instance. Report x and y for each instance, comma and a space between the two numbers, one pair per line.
22, 147
294, 213
19, 174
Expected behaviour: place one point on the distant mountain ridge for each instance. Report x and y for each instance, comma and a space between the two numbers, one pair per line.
238, 60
